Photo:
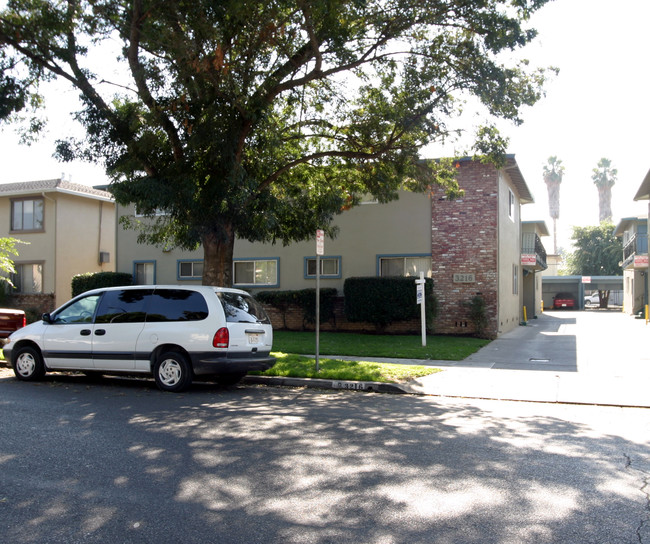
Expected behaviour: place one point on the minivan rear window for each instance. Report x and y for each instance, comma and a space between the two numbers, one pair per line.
242, 308
176, 305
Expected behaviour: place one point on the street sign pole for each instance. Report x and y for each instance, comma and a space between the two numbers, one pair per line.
320, 250
420, 300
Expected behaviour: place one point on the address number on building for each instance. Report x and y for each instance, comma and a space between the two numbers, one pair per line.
464, 278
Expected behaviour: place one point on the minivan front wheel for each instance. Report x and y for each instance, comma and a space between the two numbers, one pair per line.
172, 371
28, 364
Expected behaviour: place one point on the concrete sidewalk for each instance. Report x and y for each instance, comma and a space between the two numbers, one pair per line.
592, 357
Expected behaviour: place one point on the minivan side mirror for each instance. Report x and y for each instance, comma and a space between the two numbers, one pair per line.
47, 318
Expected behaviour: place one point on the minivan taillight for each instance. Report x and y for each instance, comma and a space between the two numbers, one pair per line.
221, 338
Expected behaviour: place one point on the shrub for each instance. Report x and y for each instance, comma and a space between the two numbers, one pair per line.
478, 314
304, 299
94, 280
384, 300
307, 298
280, 300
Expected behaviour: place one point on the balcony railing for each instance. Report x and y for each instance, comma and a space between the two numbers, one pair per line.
532, 245
637, 245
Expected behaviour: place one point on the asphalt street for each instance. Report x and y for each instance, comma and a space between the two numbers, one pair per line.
120, 461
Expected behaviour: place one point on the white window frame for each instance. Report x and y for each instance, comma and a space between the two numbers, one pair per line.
405, 259
149, 270
196, 274
257, 278
327, 259
38, 204
36, 280
511, 204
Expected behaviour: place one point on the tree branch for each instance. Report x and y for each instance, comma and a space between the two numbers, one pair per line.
137, 18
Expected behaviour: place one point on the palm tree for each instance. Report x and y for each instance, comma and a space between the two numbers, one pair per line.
604, 178
553, 173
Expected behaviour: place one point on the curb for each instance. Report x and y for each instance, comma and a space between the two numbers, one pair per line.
319, 383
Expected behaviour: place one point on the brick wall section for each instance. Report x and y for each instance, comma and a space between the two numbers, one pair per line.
464, 241
38, 303
294, 322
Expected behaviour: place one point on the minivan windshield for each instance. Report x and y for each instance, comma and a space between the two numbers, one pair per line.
241, 308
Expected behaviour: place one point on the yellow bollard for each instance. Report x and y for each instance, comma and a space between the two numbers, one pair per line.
525, 316
542, 306
646, 314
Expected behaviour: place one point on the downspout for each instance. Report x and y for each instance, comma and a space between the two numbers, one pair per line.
99, 236
56, 252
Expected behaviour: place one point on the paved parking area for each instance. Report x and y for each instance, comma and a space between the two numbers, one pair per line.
592, 357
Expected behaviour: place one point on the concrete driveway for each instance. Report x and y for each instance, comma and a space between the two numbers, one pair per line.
592, 357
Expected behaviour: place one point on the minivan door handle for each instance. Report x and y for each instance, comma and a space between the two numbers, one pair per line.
84, 332
254, 331
100, 332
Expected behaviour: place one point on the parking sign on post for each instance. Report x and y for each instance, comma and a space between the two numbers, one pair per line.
320, 250
419, 297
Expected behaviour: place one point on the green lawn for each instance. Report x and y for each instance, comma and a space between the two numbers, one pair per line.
297, 366
288, 346
442, 348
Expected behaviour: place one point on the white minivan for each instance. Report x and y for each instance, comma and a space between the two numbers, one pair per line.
171, 332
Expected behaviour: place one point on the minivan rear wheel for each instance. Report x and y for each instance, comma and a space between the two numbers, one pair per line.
172, 371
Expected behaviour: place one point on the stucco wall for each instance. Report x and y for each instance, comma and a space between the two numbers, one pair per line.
84, 227
39, 247
76, 229
511, 285
400, 227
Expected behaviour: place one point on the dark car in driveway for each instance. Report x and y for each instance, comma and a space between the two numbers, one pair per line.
563, 301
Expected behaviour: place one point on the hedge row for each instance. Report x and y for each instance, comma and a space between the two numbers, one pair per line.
379, 301
91, 280
303, 298
384, 300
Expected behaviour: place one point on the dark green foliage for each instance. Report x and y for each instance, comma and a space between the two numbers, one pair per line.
85, 282
305, 299
383, 300
32, 315
478, 314
598, 252
263, 120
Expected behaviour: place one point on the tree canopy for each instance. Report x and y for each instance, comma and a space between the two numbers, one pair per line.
597, 251
264, 119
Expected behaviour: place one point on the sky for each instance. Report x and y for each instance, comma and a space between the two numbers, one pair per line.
597, 106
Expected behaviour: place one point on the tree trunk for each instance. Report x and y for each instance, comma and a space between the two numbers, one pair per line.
217, 257
604, 203
604, 298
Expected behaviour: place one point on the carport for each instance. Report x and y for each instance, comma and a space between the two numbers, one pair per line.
576, 285
551, 285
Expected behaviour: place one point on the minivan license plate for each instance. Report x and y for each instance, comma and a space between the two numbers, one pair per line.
254, 338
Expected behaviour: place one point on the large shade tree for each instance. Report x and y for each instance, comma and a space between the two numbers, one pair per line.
264, 119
